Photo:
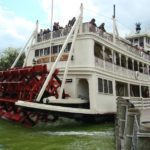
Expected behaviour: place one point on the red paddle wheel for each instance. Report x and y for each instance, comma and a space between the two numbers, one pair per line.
25, 84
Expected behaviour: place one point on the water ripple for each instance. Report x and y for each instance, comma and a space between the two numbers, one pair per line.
80, 133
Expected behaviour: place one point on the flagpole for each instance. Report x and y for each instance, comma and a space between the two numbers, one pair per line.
51, 33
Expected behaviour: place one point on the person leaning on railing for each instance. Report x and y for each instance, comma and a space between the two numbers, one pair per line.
40, 36
101, 29
56, 26
92, 25
46, 33
57, 29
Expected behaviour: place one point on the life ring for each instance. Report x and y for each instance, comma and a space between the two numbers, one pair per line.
137, 75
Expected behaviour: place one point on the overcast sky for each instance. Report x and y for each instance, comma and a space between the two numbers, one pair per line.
18, 17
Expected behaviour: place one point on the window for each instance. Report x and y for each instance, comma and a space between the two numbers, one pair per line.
121, 89
100, 85
37, 53
41, 52
105, 86
134, 90
135, 40
110, 85
145, 91
98, 51
46, 51
131, 40
59, 48
67, 49
54, 50
108, 55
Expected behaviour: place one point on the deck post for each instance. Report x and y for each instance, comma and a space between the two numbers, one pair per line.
69, 58
81, 9
36, 30
25, 61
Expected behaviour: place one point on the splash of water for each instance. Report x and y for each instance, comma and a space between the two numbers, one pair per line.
80, 133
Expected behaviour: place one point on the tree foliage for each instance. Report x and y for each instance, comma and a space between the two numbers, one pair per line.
8, 56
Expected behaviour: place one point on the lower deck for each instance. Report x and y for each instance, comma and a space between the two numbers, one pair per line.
93, 94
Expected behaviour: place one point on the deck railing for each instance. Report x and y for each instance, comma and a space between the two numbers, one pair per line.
56, 34
125, 45
86, 28
121, 71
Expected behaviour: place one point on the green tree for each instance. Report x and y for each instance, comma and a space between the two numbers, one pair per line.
8, 56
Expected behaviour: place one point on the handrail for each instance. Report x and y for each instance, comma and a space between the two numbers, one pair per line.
109, 37
120, 70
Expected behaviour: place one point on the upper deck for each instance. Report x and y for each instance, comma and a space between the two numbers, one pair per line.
123, 61
124, 45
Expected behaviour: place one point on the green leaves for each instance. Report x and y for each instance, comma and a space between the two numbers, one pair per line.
8, 56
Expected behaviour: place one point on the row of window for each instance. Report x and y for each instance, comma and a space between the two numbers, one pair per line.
121, 60
122, 90
105, 86
54, 50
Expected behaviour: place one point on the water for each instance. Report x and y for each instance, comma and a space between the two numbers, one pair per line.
64, 134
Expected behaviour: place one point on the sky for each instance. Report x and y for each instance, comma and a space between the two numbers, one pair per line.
18, 17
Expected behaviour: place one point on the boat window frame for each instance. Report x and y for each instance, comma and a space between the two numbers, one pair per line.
107, 83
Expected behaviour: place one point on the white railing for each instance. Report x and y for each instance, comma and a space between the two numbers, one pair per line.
56, 34
121, 71
122, 44
131, 74
86, 28
108, 65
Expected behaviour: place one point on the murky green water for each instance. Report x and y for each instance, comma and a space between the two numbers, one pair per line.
1, 147
62, 135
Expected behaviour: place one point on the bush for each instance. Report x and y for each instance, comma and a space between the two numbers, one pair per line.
8, 57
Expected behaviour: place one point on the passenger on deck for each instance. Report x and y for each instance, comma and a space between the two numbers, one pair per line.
57, 29
93, 22
44, 32
102, 28
47, 34
48, 30
92, 25
56, 26
71, 22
